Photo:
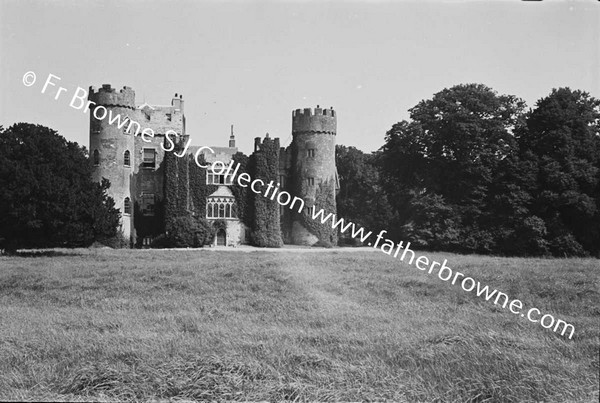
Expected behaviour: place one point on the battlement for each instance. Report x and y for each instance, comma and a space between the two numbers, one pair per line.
315, 120
318, 111
108, 96
259, 143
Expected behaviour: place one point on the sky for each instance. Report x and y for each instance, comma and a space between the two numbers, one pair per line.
251, 63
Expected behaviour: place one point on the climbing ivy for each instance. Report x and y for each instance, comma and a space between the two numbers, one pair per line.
199, 190
244, 203
324, 199
266, 229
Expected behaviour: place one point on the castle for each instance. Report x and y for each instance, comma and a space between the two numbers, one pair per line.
152, 182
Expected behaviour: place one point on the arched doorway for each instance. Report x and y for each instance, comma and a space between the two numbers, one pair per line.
221, 237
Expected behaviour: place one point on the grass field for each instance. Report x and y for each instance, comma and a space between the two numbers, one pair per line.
114, 325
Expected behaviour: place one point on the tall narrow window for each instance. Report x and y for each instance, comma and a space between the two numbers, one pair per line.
149, 158
310, 152
127, 206
96, 157
310, 181
127, 158
125, 125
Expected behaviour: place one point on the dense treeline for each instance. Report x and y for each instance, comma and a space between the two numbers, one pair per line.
474, 171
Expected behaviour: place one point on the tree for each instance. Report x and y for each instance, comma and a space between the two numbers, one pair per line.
440, 168
47, 197
361, 198
562, 142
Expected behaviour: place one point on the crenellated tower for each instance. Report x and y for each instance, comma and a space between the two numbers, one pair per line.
112, 147
313, 173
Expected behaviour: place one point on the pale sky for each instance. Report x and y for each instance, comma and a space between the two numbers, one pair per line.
251, 63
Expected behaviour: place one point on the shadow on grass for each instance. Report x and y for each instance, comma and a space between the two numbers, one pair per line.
40, 253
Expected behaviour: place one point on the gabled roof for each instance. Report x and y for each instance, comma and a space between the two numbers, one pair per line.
222, 191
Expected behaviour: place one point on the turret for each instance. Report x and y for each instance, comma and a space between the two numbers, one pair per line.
112, 147
314, 170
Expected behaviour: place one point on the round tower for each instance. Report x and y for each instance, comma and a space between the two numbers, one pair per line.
314, 173
112, 147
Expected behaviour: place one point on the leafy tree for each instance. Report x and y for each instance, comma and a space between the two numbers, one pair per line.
562, 142
47, 197
361, 198
440, 168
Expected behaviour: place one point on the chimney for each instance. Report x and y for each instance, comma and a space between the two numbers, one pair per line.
231, 139
177, 102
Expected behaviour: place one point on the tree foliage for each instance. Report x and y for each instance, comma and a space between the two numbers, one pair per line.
47, 197
562, 142
361, 197
473, 172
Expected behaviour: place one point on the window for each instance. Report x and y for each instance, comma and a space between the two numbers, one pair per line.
310, 152
126, 125
147, 202
149, 158
220, 207
127, 206
310, 181
169, 117
282, 181
214, 179
127, 158
96, 157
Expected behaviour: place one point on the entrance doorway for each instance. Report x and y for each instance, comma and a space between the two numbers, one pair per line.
221, 237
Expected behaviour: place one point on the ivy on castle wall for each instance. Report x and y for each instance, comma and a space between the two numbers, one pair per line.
266, 229
171, 189
148, 226
185, 202
199, 190
324, 199
244, 201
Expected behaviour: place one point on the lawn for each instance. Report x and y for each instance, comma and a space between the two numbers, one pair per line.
115, 325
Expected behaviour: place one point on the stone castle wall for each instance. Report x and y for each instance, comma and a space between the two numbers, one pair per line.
306, 168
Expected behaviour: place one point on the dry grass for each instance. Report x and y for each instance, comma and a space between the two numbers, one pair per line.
97, 325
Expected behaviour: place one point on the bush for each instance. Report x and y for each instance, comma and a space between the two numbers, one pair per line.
162, 241
119, 241
567, 246
186, 232
206, 232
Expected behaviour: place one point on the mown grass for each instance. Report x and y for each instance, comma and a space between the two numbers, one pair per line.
98, 325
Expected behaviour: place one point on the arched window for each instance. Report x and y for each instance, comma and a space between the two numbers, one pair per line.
227, 211
127, 206
221, 210
127, 158
96, 157
209, 210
